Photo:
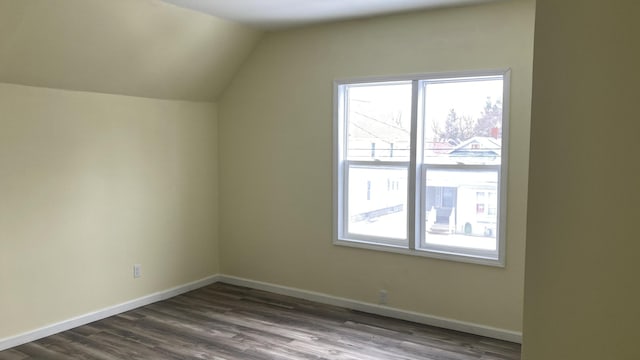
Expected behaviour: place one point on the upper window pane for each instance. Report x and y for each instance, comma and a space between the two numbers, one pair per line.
463, 121
379, 121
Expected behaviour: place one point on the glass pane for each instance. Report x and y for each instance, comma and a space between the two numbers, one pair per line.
379, 121
463, 121
377, 202
461, 208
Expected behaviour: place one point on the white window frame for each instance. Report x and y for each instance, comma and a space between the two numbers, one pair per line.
416, 201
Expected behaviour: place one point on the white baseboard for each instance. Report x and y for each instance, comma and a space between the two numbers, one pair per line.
451, 324
48, 330
445, 323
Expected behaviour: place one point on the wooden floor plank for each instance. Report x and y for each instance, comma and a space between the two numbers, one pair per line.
227, 322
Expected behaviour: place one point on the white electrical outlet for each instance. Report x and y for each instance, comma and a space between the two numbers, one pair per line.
382, 297
137, 271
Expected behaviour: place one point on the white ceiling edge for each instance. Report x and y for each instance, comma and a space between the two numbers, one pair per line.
278, 14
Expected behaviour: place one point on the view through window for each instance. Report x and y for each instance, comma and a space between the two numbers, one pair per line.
419, 165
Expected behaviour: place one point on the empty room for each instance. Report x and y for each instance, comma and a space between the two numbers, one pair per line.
304, 179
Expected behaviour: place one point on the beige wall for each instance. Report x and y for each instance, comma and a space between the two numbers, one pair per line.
91, 184
276, 159
582, 297
143, 48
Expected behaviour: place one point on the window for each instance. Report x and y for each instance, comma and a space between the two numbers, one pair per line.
420, 165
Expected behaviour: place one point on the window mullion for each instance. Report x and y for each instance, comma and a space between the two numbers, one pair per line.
340, 158
412, 186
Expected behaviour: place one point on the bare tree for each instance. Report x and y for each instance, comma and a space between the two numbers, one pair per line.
458, 128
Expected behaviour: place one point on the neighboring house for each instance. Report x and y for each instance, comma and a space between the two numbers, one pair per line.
461, 194
464, 199
378, 130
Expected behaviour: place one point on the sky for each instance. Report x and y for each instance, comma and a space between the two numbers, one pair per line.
468, 98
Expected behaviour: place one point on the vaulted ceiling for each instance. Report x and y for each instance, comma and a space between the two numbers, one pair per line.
276, 14
152, 48
142, 48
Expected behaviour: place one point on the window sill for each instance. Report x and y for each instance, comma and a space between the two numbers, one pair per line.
441, 255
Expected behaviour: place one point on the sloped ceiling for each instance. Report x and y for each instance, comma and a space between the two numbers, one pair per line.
278, 14
132, 47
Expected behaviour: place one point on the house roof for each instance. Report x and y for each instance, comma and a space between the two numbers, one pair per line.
478, 146
377, 127
476, 150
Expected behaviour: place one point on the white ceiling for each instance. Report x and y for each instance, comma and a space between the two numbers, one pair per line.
273, 14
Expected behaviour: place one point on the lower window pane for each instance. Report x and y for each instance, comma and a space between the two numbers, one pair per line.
461, 209
377, 204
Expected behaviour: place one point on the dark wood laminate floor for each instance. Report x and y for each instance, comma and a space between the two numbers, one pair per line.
223, 321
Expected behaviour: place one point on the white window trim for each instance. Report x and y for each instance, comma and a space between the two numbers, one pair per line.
415, 200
